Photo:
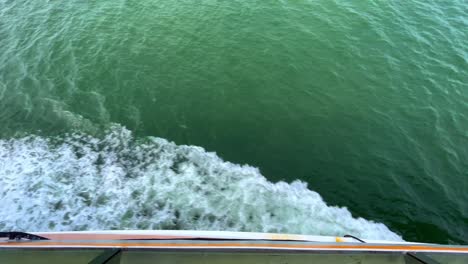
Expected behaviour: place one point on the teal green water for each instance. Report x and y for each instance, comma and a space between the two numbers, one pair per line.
366, 101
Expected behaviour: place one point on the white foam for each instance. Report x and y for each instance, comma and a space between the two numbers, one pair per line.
79, 182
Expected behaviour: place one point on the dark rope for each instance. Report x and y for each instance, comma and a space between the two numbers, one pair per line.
358, 239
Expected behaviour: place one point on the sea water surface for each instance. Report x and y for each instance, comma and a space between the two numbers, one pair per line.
351, 117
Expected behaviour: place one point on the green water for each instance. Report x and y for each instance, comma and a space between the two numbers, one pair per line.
366, 101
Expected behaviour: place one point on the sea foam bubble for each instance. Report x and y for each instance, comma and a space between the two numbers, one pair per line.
118, 181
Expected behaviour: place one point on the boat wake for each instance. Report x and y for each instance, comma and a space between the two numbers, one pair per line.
117, 181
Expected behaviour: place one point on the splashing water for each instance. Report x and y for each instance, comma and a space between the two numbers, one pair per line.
80, 182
